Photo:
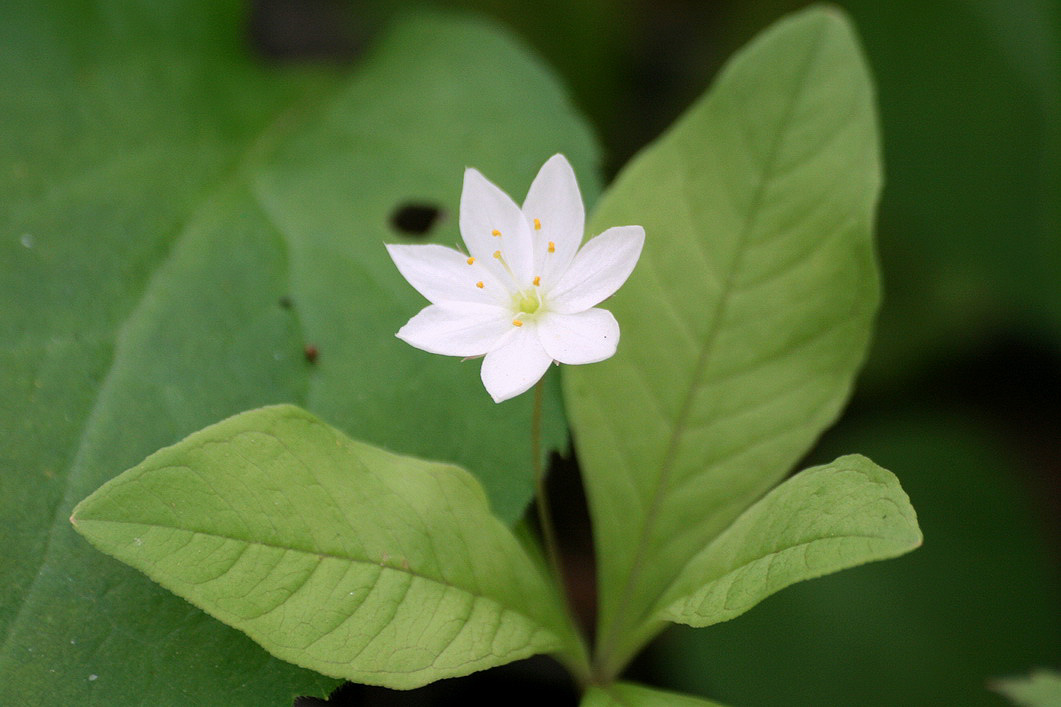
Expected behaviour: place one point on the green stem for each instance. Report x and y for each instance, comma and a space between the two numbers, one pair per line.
580, 668
545, 518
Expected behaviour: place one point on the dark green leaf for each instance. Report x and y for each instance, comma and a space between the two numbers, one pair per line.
179, 223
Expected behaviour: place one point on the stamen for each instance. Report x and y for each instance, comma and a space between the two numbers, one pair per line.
552, 247
511, 275
480, 284
537, 225
471, 261
496, 233
537, 281
516, 322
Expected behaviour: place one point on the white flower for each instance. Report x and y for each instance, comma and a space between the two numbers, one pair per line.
524, 294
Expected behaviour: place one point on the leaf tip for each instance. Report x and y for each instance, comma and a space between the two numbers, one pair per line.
828, 12
75, 514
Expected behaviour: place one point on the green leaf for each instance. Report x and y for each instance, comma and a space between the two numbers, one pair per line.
890, 633
1042, 688
179, 222
823, 520
747, 317
332, 554
625, 694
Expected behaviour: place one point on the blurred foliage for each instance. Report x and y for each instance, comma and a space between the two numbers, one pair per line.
1040, 689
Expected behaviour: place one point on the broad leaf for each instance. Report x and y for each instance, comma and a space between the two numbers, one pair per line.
625, 694
822, 520
332, 554
180, 223
747, 317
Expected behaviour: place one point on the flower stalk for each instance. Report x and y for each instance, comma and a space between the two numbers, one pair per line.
545, 516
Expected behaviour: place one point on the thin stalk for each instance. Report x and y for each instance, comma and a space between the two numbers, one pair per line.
580, 668
545, 518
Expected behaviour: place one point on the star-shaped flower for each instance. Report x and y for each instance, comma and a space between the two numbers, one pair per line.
524, 296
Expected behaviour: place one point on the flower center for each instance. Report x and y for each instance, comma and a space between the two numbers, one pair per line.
529, 302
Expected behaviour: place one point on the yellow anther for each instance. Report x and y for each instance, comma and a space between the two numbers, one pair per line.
496, 233
537, 281
552, 247
480, 284
497, 254
471, 261
516, 322
537, 225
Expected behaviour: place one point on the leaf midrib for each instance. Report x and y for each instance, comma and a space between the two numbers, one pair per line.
323, 555
608, 643
275, 546
745, 564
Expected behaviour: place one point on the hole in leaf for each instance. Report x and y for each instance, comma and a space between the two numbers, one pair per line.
286, 30
415, 219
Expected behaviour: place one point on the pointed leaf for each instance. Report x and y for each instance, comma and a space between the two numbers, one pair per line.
846, 639
332, 554
625, 694
747, 316
822, 520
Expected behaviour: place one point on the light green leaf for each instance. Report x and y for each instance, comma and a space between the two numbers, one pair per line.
332, 554
625, 694
177, 221
1042, 688
832, 636
823, 520
747, 317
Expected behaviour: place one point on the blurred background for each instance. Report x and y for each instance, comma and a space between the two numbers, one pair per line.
961, 396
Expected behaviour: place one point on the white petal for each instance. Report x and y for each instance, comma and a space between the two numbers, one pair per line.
516, 365
554, 200
585, 337
598, 270
457, 329
443, 275
485, 209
